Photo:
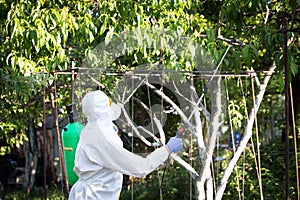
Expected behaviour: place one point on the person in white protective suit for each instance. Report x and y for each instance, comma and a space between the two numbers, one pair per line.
101, 160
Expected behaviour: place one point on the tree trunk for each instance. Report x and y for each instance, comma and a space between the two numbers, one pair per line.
31, 158
204, 183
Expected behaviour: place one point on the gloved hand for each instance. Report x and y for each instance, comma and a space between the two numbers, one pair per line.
174, 144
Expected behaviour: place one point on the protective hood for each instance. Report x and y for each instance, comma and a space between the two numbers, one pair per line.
97, 106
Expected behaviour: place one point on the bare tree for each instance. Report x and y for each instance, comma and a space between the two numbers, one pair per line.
206, 145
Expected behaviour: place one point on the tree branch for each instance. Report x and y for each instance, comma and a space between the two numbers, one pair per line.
247, 135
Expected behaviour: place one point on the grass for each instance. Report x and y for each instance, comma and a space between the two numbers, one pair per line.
37, 194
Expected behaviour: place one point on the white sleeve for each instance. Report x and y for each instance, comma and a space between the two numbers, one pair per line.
105, 152
122, 160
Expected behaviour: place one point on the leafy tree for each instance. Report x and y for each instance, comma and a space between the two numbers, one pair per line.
40, 38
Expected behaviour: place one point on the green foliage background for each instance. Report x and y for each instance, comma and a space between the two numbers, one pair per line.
39, 38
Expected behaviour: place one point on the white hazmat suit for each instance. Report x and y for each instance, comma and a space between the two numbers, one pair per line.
101, 160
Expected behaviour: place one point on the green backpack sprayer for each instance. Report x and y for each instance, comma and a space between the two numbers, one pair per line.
70, 138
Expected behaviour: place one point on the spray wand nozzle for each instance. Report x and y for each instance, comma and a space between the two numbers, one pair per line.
181, 130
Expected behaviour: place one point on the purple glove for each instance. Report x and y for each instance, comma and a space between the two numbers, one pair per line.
174, 144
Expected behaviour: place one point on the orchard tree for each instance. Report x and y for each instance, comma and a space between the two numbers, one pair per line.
38, 38
42, 37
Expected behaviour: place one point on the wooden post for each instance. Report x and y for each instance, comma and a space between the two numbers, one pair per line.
61, 153
287, 114
44, 148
